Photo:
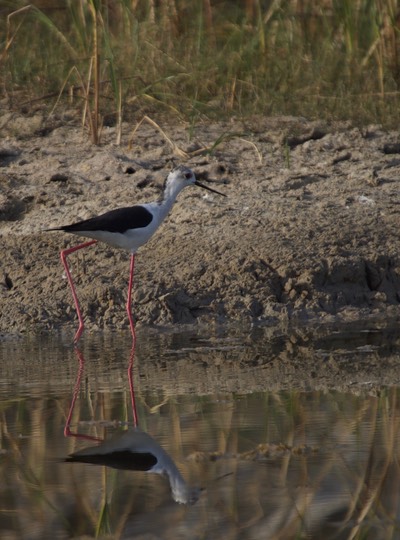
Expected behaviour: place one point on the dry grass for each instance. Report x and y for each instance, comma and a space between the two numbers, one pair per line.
205, 59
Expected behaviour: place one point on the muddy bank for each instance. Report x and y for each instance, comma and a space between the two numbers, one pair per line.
308, 231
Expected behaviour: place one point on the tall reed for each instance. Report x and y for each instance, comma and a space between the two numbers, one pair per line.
326, 59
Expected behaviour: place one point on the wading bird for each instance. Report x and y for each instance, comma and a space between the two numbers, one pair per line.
127, 228
135, 450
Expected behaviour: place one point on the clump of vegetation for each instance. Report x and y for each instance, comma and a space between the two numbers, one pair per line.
329, 59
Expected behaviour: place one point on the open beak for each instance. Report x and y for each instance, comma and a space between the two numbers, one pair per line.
197, 183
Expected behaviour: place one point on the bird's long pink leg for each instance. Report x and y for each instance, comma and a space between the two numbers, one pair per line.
129, 300
131, 323
64, 254
131, 388
67, 428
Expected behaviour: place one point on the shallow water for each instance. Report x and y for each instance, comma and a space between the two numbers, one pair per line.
275, 435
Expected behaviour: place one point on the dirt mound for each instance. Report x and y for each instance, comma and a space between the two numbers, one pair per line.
309, 229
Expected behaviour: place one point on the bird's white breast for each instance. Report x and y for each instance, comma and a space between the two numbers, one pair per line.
132, 239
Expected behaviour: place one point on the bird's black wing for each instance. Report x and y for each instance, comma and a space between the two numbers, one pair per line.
115, 221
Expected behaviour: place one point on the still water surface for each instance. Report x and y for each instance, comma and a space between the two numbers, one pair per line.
263, 435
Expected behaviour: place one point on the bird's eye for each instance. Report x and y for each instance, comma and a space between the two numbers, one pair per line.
188, 175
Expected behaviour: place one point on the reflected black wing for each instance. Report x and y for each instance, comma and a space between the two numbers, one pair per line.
120, 459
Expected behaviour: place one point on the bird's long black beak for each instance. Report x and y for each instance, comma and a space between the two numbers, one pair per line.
197, 183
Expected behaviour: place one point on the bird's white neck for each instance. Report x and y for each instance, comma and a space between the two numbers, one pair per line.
181, 492
171, 191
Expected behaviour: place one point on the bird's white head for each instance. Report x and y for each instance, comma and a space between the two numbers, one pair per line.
180, 178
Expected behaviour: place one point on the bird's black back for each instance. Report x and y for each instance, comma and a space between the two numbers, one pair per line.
115, 221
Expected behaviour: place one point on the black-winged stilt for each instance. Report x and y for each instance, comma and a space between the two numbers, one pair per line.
135, 450
128, 228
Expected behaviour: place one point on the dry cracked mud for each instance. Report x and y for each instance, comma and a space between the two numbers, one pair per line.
308, 230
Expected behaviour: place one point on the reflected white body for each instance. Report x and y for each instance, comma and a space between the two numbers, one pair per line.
136, 442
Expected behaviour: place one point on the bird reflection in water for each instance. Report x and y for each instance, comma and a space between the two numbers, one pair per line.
132, 449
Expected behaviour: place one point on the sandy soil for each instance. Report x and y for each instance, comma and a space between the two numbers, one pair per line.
308, 230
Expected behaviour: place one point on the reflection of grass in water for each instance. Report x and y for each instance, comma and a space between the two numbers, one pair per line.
367, 498
43, 490
194, 58
30, 476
